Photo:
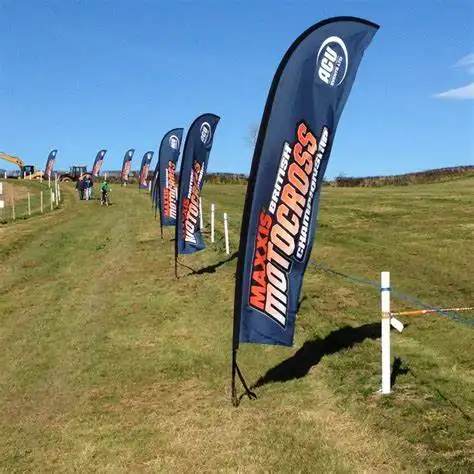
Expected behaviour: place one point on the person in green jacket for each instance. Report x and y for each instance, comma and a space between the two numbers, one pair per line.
104, 193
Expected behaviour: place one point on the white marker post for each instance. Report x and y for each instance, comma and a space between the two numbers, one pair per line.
29, 204
41, 202
201, 222
1, 188
49, 181
52, 199
213, 208
226, 234
12, 200
385, 302
149, 186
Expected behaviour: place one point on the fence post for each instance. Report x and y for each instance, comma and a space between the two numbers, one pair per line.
226, 234
212, 222
41, 202
385, 303
29, 204
201, 221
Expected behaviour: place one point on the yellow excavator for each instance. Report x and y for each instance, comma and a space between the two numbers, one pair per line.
26, 171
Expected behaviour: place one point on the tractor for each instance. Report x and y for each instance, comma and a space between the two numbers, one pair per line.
74, 174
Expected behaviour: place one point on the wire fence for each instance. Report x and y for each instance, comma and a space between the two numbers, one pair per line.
23, 199
410, 299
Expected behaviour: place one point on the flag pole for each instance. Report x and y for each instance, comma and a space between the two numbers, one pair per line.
233, 387
236, 370
158, 203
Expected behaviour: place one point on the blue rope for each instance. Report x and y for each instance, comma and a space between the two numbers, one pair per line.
347, 277
410, 299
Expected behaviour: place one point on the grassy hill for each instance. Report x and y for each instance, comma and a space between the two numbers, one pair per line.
437, 175
108, 363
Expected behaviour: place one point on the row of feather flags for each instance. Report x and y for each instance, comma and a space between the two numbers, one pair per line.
295, 138
99, 159
178, 202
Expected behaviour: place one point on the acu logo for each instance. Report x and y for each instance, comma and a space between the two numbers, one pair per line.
205, 133
333, 61
174, 142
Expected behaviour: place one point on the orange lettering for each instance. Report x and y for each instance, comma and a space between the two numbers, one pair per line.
282, 213
304, 159
257, 296
282, 239
298, 178
293, 200
305, 137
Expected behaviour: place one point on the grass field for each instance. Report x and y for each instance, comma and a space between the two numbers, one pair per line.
109, 364
15, 199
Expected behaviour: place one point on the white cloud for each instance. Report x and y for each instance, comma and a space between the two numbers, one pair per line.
467, 60
462, 93
466, 92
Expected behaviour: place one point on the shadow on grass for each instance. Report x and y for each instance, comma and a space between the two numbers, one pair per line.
215, 266
397, 370
311, 352
211, 268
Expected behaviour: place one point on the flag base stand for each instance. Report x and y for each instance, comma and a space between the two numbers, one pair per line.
236, 370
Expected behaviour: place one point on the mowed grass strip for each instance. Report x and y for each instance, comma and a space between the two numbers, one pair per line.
109, 363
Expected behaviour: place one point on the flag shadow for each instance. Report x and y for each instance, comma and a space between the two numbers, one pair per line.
397, 370
211, 268
215, 266
311, 352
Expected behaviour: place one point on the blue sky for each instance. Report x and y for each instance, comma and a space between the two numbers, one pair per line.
82, 75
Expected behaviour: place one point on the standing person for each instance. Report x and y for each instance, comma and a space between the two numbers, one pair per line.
88, 187
80, 187
83, 188
104, 190
91, 185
